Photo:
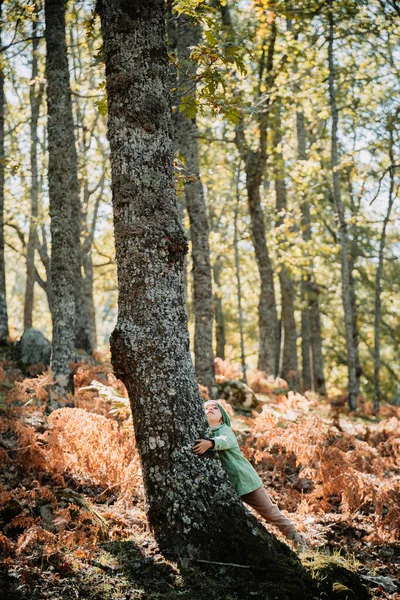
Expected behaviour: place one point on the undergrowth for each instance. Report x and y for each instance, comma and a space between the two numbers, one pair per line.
71, 489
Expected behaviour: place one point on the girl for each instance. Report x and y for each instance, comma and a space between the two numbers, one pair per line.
240, 472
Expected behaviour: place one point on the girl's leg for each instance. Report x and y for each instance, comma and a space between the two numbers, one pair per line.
262, 503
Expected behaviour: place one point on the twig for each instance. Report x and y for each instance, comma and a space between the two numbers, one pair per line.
390, 168
112, 486
222, 564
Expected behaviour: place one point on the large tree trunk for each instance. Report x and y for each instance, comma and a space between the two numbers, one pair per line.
63, 191
188, 35
312, 357
191, 507
3, 298
288, 293
35, 98
344, 238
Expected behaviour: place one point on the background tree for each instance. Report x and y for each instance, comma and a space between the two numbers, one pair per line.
63, 192
186, 35
36, 90
3, 297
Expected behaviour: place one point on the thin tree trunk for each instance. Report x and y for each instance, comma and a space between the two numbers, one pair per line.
63, 191
219, 312
83, 337
188, 35
353, 255
312, 357
3, 297
306, 358
35, 99
379, 274
254, 167
267, 314
288, 294
89, 300
87, 262
344, 239
316, 338
191, 506
238, 278
41, 234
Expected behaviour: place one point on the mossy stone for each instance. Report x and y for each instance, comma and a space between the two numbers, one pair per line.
335, 579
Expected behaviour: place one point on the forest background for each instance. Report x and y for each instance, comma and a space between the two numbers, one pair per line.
229, 86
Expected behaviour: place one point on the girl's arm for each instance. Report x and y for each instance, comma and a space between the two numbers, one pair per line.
226, 441
219, 442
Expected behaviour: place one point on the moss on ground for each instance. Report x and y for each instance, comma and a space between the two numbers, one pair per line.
335, 578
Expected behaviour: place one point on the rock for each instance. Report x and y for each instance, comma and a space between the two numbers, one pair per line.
303, 484
34, 348
237, 393
389, 585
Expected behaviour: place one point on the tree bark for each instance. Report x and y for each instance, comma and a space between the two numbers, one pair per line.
35, 99
288, 293
63, 192
186, 131
191, 507
3, 297
344, 238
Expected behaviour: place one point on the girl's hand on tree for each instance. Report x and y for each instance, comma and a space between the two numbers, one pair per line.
201, 446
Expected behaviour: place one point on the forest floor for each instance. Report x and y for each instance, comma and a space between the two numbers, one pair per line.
72, 514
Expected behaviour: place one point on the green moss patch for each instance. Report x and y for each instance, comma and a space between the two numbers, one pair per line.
335, 578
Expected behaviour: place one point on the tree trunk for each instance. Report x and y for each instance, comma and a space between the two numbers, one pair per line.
316, 337
63, 191
379, 273
312, 357
219, 312
254, 167
191, 507
344, 239
353, 255
306, 358
238, 278
35, 98
288, 294
188, 35
3, 297
267, 315
83, 336
88, 294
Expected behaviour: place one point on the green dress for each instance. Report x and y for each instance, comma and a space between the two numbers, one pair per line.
240, 472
